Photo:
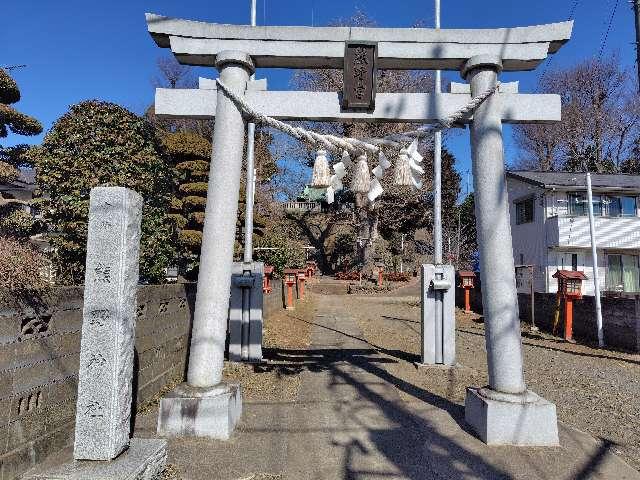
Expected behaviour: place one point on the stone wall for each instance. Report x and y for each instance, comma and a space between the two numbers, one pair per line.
39, 354
273, 302
620, 317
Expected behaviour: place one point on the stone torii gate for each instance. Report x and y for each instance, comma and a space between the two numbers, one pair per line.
504, 412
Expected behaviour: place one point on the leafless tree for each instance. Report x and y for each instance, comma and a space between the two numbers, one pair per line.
600, 120
174, 75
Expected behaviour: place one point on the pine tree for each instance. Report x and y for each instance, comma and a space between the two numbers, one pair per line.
190, 154
14, 220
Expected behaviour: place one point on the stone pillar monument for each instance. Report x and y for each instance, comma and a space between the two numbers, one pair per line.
505, 412
109, 314
102, 448
205, 406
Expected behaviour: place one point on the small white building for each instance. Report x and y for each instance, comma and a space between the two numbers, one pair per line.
550, 228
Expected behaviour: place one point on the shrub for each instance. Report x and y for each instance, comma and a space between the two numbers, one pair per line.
197, 188
192, 203
397, 277
349, 275
21, 267
103, 144
283, 252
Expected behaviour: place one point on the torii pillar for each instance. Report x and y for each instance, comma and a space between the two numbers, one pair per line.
205, 406
505, 412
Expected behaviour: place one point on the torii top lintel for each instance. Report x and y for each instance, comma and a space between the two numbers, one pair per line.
198, 43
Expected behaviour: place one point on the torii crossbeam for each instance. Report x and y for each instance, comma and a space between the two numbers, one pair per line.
505, 412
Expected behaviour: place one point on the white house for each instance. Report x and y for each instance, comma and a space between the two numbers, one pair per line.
550, 228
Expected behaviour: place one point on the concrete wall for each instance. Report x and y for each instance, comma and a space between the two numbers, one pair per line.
39, 355
620, 317
529, 247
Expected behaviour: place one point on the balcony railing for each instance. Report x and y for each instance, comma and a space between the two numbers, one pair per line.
302, 206
611, 232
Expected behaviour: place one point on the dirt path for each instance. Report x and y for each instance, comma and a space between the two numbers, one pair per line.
340, 398
594, 391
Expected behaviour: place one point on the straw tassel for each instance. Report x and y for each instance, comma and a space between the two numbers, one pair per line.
361, 179
402, 173
321, 175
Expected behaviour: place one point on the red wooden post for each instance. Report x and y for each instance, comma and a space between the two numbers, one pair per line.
467, 302
568, 320
467, 283
290, 275
570, 288
301, 279
266, 281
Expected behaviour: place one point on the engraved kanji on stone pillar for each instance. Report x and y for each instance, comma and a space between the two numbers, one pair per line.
106, 353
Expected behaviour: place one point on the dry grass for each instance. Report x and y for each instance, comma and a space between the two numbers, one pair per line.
594, 390
275, 379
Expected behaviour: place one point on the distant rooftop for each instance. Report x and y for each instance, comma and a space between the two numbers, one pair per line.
26, 180
577, 179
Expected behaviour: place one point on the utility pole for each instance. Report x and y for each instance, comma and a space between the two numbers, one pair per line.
594, 259
636, 10
437, 168
251, 175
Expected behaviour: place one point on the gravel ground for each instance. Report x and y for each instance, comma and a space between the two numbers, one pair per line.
596, 391
272, 381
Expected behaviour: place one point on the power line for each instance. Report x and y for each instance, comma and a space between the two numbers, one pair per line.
12, 67
606, 35
572, 13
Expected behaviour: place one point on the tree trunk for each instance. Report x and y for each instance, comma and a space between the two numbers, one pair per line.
367, 217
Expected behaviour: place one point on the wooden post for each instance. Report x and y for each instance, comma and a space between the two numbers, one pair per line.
568, 319
467, 301
301, 279
289, 305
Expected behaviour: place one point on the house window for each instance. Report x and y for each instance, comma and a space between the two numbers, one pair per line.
620, 206
622, 273
524, 211
574, 262
578, 204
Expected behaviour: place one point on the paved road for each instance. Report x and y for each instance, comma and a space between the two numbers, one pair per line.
352, 420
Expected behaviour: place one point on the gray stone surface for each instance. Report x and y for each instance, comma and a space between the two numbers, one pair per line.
358, 416
198, 43
465, 88
161, 28
200, 412
145, 459
209, 332
39, 365
438, 325
325, 106
252, 85
106, 354
497, 271
498, 422
245, 312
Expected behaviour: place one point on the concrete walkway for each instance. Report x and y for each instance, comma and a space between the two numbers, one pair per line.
349, 422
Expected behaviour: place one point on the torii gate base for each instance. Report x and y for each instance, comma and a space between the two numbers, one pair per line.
505, 419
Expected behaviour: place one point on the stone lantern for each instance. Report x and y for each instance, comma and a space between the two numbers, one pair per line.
380, 267
310, 269
290, 279
569, 288
266, 280
301, 277
467, 282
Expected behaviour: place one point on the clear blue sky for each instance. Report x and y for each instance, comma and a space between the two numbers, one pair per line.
76, 50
